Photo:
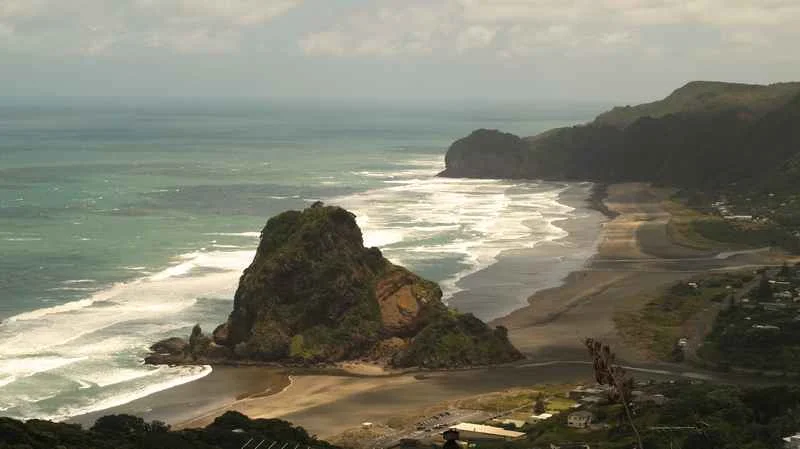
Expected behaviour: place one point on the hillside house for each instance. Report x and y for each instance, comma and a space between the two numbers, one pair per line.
784, 295
580, 420
580, 392
540, 417
792, 442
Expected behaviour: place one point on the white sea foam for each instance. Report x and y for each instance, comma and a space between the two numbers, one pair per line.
220, 260
93, 344
236, 234
421, 218
21, 367
182, 375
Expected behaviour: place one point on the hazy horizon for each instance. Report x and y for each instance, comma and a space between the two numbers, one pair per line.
606, 51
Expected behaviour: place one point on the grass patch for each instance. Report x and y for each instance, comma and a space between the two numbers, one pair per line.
519, 398
659, 324
681, 228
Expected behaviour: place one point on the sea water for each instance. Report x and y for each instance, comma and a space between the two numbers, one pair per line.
124, 223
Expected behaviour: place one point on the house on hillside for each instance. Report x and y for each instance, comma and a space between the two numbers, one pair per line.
540, 417
792, 442
580, 392
580, 420
784, 295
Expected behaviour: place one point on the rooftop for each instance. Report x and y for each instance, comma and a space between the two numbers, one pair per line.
488, 430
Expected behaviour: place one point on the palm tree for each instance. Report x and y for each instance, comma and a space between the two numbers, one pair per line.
607, 372
539, 406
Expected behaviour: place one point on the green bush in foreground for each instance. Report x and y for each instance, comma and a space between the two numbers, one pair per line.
229, 431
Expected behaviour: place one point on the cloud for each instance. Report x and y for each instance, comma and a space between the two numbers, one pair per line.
96, 27
518, 28
475, 36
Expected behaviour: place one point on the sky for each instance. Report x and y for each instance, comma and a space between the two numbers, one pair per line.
397, 50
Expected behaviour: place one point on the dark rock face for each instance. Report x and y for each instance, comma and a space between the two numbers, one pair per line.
487, 153
315, 294
172, 346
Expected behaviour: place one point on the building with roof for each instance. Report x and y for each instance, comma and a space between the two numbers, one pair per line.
540, 417
476, 432
792, 442
580, 420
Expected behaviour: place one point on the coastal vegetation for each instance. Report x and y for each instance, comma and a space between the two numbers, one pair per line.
725, 144
690, 416
229, 431
657, 328
760, 331
736, 218
315, 295
710, 135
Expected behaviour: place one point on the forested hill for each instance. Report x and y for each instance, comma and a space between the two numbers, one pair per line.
704, 135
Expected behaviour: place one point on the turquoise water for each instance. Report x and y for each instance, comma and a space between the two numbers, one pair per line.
121, 224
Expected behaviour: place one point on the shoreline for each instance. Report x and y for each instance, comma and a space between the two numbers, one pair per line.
627, 258
505, 286
583, 232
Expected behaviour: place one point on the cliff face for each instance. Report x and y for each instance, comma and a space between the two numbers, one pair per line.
315, 294
705, 135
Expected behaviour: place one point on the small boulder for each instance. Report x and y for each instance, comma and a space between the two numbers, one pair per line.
220, 334
171, 346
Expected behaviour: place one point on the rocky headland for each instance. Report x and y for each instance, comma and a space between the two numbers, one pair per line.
315, 295
704, 135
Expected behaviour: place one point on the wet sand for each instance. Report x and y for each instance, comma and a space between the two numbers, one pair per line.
225, 385
506, 285
633, 255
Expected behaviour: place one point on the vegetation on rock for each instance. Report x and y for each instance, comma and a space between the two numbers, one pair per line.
315, 294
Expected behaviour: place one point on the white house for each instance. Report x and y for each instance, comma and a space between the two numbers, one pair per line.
792, 442
580, 420
540, 417
784, 295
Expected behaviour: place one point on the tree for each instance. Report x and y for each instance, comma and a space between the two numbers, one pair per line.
120, 425
607, 372
677, 353
539, 406
785, 272
764, 290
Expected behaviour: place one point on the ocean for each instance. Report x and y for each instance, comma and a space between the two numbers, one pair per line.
122, 223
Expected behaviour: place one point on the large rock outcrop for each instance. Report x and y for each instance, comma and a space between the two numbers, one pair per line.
315, 294
487, 153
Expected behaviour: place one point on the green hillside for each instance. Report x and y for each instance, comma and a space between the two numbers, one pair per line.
717, 135
706, 97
